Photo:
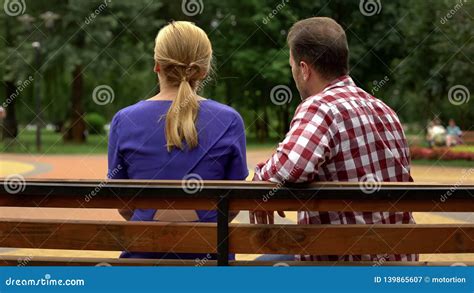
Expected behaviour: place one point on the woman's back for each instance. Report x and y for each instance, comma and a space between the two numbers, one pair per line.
138, 144
138, 150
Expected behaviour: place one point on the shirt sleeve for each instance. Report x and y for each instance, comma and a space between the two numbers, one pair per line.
116, 162
237, 166
310, 142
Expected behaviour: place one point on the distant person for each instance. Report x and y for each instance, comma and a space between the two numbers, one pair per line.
436, 133
177, 134
338, 133
453, 134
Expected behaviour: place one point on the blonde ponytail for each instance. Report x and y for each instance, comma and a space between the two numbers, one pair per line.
181, 116
184, 53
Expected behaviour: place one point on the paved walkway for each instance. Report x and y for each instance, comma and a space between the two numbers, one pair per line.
95, 167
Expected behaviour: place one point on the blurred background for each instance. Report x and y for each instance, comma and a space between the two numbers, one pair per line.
67, 65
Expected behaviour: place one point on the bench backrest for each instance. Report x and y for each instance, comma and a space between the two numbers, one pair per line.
224, 196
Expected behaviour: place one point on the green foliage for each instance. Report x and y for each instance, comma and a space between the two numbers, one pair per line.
407, 43
95, 123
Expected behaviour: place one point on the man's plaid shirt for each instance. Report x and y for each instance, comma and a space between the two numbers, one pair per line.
343, 134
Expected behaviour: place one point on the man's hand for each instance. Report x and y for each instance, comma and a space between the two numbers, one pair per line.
264, 217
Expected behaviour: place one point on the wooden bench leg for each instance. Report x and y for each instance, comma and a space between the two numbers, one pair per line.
223, 231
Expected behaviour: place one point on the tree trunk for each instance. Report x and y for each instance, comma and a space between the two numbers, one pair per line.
10, 124
75, 131
266, 121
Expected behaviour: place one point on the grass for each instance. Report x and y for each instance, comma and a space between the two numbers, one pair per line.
450, 163
53, 144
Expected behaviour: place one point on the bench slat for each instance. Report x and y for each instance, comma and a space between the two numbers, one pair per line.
244, 238
108, 236
11, 260
99, 202
335, 196
449, 205
404, 205
352, 239
237, 190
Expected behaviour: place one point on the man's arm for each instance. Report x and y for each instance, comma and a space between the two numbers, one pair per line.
311, 141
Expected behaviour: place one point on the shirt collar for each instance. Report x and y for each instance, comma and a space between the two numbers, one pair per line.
342, 81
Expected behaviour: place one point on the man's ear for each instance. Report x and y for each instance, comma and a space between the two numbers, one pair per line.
156, 68
305, 70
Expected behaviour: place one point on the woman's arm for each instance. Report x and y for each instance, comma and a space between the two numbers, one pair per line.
237, 167
116, 162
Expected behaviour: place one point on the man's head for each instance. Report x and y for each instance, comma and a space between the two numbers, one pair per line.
318, 53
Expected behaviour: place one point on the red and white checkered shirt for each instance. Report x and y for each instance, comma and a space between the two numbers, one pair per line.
343, 134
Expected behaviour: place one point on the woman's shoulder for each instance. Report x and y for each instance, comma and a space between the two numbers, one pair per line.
139, 106
221, 110
138, 109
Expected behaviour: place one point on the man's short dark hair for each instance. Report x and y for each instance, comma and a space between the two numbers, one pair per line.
321, 42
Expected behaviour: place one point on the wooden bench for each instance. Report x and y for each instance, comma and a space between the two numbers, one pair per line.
468, 137
223, 238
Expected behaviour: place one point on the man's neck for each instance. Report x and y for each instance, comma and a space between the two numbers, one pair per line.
318, 85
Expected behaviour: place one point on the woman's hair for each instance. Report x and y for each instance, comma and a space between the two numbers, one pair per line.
183, 52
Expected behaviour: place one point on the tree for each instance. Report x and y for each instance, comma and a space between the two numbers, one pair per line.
10, 125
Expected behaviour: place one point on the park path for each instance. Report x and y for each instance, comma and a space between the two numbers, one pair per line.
95, 167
